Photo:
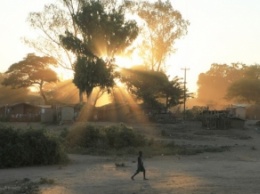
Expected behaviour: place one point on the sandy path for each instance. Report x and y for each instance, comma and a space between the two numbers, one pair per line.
205, 173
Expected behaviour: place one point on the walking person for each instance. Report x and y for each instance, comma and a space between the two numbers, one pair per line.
140, 166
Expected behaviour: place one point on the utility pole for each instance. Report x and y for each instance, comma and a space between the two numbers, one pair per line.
184, 93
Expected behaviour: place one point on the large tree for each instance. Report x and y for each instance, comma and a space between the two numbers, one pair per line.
213, 84
153, 88
10, 96
31, 71
104, 33
63, 92
54, 20
247, 87
161, 26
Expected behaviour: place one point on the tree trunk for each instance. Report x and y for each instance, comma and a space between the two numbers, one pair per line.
43, 95
98, 95
80, 97
86, 112
167, 103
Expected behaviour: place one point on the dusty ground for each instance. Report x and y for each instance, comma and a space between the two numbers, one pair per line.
235, 171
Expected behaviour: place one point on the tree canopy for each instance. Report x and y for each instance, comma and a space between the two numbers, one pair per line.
247, 87
96, 31
104, 33
9, 95
31, 71
161, 26
54, 20
153, 88
213, 85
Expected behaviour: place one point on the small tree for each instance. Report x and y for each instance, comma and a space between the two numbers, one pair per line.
32, 71
93, 73
153, 88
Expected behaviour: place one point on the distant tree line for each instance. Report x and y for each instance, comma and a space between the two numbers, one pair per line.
223, 84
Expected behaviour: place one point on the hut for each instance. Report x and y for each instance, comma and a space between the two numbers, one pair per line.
48, 114
23, 112
66, 114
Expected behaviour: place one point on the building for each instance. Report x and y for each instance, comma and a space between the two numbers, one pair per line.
21, 112
238, 111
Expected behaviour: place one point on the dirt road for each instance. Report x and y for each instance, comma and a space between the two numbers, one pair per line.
235, 171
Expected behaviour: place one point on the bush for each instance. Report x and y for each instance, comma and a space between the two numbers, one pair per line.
121, 136
99, 137
29, 147
84, 136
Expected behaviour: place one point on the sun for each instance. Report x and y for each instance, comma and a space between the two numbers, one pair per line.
121, 62
63, 74
128, 61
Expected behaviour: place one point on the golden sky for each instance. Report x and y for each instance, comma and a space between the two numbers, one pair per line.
220, 31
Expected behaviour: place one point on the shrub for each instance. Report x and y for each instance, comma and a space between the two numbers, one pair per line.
99, 137
122, 136
84, 136
29, 147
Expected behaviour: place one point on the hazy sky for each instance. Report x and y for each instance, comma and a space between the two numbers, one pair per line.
220, 31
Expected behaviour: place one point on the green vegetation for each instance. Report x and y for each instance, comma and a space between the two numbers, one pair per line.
46, 181
154, 88
100, 30
121, 140
226, 84
29, 147
112, 137
32, 71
